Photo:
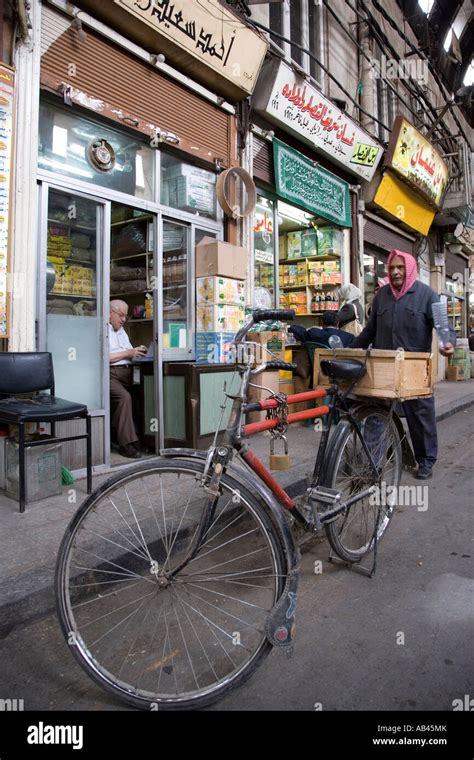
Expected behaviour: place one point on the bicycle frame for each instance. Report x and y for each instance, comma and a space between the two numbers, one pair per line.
219, 456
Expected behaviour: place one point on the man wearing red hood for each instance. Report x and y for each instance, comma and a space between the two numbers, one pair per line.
401, 317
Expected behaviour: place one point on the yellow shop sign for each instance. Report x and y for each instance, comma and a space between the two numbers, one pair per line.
404, 204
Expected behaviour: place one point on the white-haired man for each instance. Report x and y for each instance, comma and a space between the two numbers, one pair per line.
121, 355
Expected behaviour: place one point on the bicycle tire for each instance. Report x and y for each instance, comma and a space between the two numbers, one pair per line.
186, 643
353, 532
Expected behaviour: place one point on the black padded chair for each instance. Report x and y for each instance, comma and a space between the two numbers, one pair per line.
22, 373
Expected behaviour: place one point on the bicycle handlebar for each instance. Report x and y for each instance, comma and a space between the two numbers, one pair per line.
286, 366
282, 315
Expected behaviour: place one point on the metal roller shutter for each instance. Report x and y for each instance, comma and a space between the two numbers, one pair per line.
385, 238
105, 79
263, 160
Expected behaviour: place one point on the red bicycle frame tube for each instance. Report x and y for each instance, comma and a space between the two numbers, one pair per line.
271, 403
257, 427
307, 414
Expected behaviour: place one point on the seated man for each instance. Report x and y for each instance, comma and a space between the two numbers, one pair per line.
121, 354
322, 335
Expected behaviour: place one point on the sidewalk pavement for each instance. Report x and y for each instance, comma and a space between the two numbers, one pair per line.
30, 542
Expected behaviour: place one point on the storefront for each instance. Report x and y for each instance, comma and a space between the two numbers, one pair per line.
406, 199
306, 155
301, 242
127, 168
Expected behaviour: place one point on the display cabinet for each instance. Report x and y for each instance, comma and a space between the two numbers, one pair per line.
193, 394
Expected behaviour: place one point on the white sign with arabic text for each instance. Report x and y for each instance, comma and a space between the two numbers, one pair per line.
209, 32
294, 103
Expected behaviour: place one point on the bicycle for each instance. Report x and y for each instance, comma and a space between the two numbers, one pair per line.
175, 579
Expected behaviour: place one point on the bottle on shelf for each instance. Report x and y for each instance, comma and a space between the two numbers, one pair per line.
314, 304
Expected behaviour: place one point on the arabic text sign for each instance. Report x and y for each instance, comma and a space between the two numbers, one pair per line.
413, 157
7, 84
209, 32
299, 180
303, 110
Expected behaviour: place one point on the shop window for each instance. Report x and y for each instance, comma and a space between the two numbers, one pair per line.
264, 246
86, 150
73, 308
310, 262
187, 187
175, 286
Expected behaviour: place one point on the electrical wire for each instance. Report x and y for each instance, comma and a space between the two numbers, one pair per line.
414, 49
258, 25
375, 27
367, 57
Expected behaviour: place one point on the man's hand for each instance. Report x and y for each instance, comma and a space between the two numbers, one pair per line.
446, 350
135, 353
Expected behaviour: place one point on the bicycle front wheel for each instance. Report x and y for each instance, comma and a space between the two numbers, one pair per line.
354, 532
153, 629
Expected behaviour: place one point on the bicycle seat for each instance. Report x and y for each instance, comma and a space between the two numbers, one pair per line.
343, 369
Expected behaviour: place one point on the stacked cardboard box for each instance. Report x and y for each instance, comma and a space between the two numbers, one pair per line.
220, 298
191, 188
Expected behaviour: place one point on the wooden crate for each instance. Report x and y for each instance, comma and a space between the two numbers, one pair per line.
390, 374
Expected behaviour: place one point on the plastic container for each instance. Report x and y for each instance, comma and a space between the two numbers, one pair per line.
441, 323
42, 471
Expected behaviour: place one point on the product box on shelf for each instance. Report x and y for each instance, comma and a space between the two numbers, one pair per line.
187, 186
272, 340
216, 258
297, 296
220, 290
192, 193
214, 347
329, 241
315, 266
219, 317
309, 243
294, 245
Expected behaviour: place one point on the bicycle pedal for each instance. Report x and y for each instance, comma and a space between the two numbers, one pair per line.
325, 495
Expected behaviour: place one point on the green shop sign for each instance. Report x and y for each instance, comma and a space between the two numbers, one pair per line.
299, 180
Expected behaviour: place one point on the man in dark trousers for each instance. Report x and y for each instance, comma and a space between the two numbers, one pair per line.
120, 357
401, 318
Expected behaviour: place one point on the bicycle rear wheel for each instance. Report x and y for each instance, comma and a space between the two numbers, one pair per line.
354, 532
152, 638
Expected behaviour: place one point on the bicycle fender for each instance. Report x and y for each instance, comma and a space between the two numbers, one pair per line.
280, 627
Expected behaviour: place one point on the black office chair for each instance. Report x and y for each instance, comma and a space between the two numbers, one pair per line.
22, 373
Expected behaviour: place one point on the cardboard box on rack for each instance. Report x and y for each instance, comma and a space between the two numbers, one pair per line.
273, 341
271, 380
219, 317
214, 347
216, 258
220, 290
455, 372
